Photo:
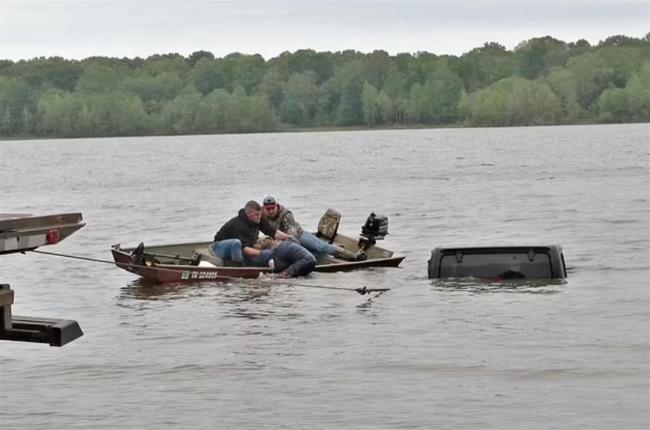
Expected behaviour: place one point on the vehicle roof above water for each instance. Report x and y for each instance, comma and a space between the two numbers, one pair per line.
500, 262
498, 248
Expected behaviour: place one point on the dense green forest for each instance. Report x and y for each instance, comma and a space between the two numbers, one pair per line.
541, 81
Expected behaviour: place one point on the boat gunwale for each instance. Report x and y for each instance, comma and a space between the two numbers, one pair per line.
336, 265
342, 263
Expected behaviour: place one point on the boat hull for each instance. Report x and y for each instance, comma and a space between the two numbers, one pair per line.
172, 263
165, 273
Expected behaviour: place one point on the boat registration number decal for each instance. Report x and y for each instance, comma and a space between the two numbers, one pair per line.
199, 275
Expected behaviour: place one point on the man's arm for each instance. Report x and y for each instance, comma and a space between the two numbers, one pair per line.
282, 236
289, 224
267, 228
250, 252
225, 231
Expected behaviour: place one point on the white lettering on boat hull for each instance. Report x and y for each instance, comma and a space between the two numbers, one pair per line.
188, 275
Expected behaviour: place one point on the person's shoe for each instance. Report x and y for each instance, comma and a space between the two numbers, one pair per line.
344, 254
195, 259
360, 256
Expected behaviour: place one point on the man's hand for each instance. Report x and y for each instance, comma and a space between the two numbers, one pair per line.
279, 235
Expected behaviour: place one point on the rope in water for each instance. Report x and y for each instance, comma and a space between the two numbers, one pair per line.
362, 291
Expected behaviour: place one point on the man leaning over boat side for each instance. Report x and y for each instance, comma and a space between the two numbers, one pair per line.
282, 219
235, 240
290, 258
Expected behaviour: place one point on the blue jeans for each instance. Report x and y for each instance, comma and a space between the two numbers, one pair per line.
260, 260
228, 249
315, 245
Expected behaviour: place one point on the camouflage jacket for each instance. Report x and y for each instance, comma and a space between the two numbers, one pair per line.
285, 222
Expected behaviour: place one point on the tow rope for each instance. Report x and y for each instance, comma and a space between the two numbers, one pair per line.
362, 290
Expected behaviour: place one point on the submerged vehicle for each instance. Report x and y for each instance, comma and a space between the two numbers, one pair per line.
188, 262
498, 262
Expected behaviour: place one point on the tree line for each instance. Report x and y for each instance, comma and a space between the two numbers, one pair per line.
541, 81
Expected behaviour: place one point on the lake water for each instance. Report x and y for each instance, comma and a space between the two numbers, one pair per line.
425, 355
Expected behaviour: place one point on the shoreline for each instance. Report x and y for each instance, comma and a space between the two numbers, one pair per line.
321, 129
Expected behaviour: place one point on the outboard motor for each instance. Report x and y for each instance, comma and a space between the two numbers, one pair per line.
137, 255
375, 228
141, 258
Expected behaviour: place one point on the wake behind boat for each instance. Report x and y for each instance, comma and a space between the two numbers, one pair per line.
191, 262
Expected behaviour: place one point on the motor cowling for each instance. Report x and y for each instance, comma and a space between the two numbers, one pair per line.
375, 228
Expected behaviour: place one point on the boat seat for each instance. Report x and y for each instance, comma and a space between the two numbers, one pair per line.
207, 255
328, 225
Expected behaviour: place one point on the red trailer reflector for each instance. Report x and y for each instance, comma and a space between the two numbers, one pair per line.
52, 236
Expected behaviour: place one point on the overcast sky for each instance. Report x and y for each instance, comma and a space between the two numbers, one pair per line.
79, 29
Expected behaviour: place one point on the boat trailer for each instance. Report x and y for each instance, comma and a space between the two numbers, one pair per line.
20, 233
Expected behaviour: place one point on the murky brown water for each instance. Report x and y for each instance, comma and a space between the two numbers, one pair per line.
424, 355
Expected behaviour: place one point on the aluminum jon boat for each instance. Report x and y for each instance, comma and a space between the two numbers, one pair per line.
191, 262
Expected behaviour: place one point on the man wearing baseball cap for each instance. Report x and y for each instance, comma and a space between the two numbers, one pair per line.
282, 219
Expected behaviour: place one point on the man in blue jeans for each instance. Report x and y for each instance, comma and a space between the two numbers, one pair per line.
282, 219
235, 240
